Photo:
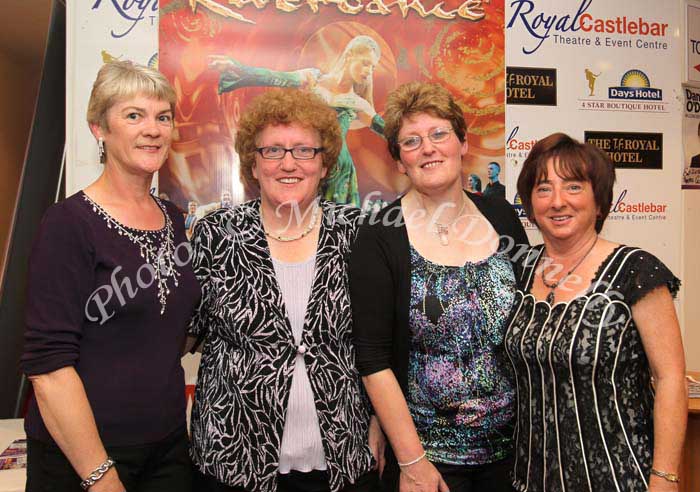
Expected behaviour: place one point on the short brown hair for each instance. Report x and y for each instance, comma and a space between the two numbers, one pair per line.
420, 97
285, 107
572, 159
123, 79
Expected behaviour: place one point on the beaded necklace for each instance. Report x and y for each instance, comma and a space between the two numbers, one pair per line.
156, 247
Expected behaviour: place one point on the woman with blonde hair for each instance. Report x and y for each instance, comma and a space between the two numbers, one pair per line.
110, 294
347, 87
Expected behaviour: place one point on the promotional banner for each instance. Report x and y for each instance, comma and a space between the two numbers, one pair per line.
99, 31
606, 73
692, 48
220, 54
691, 139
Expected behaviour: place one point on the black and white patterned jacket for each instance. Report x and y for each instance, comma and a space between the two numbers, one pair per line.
249, 351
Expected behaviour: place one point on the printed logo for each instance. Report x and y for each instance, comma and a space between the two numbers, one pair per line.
584, 29
531, 86
635, 85
518, 207
133, 11
633, 93
590, 79
624, 208
629, 150
518, 147
692, 103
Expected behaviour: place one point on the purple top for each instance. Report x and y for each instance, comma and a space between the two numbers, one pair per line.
93, 303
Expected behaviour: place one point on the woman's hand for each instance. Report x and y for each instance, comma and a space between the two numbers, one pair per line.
421, 477
377, 443
109, 483
222, 63
658, 484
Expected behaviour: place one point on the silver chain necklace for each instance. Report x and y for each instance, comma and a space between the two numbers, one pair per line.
160, 257
552, 287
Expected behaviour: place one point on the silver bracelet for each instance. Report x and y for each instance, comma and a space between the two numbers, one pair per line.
97, 473
413, 462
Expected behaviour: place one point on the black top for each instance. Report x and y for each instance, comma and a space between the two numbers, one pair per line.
380, 285
91, 304
249, 352
585, 400
495, 189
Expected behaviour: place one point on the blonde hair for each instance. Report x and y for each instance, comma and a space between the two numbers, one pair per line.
119, 80
357, 46
286, 107
415, 98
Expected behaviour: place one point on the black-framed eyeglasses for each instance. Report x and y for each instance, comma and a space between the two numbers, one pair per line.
436, 135
301, 153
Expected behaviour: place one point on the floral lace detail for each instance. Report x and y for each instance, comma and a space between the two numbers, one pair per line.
156, 247
584, 393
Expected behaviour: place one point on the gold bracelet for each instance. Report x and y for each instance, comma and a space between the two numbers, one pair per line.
669, 477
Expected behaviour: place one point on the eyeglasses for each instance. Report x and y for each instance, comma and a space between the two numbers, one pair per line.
301, 153
413, 142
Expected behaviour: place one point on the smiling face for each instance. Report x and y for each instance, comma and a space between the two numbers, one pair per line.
564, 208
138, 136
432, 166
288, 181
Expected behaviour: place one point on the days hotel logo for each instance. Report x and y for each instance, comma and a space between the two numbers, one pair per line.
633, 94
635, 85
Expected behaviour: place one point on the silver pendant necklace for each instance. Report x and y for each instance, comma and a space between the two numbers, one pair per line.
159, 253
553, 286
442, 230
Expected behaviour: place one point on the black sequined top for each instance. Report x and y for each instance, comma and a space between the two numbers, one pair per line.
584, 393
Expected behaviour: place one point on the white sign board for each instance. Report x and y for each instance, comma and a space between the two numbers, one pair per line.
97, 31
617, 82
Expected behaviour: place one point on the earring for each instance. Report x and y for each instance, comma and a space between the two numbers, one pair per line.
101, 150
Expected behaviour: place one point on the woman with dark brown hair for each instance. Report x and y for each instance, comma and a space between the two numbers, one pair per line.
593, 322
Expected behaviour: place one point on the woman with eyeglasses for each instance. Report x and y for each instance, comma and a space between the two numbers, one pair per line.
279, 402
432, 284
347, 87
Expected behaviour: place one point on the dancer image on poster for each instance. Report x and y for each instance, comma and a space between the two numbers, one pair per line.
494, 186
346, 87
474, 184
191, 218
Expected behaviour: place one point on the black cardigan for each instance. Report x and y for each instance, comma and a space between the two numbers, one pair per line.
380, 288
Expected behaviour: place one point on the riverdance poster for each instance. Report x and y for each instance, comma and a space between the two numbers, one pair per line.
219, 54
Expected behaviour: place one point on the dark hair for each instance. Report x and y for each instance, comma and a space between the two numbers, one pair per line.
415, 98
477, 181
572, 159
496, 164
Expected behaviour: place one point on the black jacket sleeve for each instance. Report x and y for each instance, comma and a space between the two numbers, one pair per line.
372, 291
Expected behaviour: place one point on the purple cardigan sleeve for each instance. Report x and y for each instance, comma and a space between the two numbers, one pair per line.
61, 278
